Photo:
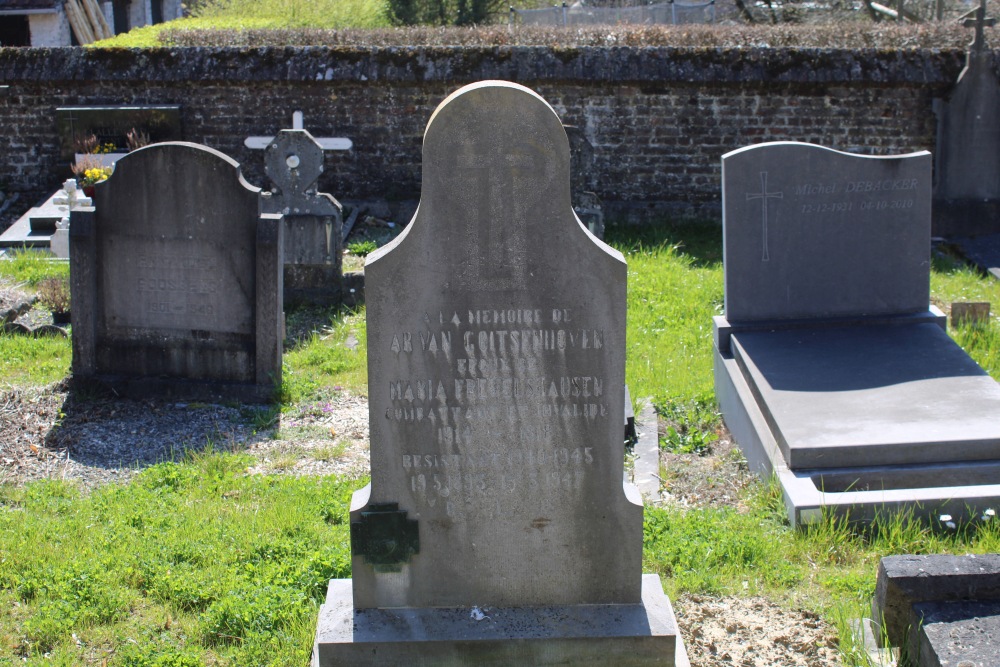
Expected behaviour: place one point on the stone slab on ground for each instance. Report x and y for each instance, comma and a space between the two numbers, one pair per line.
621, 634
906, 580
35, 228
646, 468
983, 251
867, 396
862, 493
20, 234
956, 634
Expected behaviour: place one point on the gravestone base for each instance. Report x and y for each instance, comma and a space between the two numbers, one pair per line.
619, 634
961, 632
180, 389
844, 423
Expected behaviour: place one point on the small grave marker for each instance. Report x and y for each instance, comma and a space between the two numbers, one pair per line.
975, 312
313, 220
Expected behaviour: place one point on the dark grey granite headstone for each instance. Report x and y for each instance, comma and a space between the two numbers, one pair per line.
832, 369
313, 222
812, 232
967, 168
176, 279
111, 124
496, 358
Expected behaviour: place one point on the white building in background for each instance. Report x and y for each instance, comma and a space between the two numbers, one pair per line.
44, 22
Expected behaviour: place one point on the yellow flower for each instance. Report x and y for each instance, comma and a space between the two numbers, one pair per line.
96, 175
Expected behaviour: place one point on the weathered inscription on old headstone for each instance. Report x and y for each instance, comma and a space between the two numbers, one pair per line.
813, 232
496, 333
177, 275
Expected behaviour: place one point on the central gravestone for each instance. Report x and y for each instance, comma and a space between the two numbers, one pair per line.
496, 526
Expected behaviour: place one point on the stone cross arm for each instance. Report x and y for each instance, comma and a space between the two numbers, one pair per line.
326, 143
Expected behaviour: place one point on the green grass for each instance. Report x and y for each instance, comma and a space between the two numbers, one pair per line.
33, 362
30, 267
192, 563
196, 562
953, 281
325, 362
26, 361
255, 15
674, 289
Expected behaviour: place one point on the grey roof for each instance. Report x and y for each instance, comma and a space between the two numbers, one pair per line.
9, 6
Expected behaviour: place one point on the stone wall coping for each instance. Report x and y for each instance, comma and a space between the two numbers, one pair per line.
420, 64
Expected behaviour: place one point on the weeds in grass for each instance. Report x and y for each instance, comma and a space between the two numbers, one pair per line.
33, 362
362, 248
30, 267
692, 426
237, 563
329, 452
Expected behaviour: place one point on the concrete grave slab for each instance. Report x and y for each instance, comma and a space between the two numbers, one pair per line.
831, 369
904, 581
911, 394
496, 375
35, 228
600, 634
176, 279
956, 634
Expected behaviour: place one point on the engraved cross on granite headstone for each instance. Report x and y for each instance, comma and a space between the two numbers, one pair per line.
763, 196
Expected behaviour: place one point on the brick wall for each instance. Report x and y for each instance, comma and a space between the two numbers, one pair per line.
648, 124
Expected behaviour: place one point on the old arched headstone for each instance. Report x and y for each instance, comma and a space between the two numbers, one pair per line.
176, 279
496, 341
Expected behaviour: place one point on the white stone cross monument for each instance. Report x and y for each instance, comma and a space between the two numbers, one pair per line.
327, 143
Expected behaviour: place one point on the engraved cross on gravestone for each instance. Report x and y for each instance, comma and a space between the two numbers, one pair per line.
763, 196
